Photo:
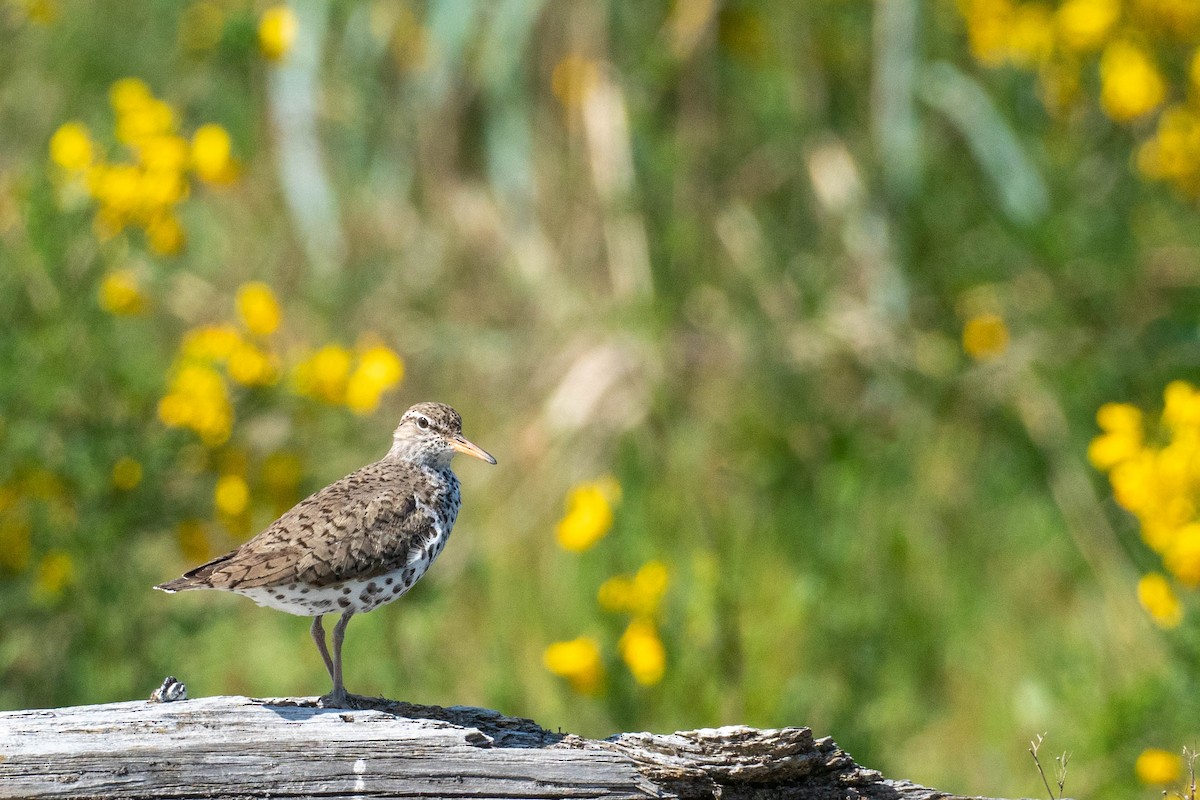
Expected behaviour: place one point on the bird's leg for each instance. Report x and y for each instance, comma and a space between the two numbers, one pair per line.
338, 698
318, 635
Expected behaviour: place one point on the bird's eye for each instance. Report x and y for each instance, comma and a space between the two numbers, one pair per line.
422, 423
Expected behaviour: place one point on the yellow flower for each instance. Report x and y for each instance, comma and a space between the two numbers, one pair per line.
55, 571
126, 473
639, 594
1085, 24
324, 374
1182, 556
231, 495
1130, 83
277, 30
379, 369
212, 154
579, 662
144, 120
643, 652
120, 294
198, 399
128, 94
258, 308
985, 336
1158, 767
163, 153
71, 147
251, 366
589, 514
1158, 598
165, 235
1030, 34
210, 342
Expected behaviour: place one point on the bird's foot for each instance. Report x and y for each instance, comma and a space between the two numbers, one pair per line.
344, 699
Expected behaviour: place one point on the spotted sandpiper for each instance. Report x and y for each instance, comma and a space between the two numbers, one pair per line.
356, 544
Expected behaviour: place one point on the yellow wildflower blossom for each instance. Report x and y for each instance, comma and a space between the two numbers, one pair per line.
198, 399
212, 154
165, 235
985, 336
1122, 437
258, 308
589, 514
638, 594
210, 342
1182, 555
1130, 84
128, 94
231, 495
277, 28
120, 294
1158, 599
379, 369
1085, 24
1158, 767
579, 662
643, 652
126, 473
323, 375
71, 147
55, 571
251, 366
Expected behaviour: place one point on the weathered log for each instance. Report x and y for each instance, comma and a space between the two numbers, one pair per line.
289, 748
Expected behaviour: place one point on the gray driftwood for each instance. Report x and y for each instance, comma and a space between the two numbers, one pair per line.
238, 747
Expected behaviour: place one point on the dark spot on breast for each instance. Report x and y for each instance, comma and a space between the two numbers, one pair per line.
372, 588
344, 602
389, 581
304, 590
397, 589
346, 590
408, 575
279, 597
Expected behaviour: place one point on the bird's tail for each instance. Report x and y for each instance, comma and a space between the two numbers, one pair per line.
198, 578
178, 585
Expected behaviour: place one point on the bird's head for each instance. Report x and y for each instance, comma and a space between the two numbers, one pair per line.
431, 433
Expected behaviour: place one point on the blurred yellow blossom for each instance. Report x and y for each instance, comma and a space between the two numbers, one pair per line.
250, 365
379, 369
639, 594
71, 147
210, 342
198, 398
126, 473
55, 571
589, 514
258, 308
277, 28
120, 294
1122, 437
643, 652
1130, 83
212, 154
231, 495
1158, 599
985, 336
1154, 469
323, 375
579, 662
1159, 767
1085, 24
144, 188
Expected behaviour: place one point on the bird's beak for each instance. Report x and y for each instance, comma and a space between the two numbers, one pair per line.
471, 449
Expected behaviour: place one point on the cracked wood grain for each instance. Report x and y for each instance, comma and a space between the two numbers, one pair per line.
235, 747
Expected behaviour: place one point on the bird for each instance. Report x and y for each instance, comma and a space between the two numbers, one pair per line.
357, 544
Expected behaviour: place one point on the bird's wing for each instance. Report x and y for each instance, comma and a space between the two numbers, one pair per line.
359, 527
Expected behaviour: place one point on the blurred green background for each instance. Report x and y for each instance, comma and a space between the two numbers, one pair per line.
788, 323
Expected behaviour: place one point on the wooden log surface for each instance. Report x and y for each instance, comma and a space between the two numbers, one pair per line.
219, 747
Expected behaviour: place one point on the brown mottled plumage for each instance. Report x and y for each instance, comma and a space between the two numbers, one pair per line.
358, 543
